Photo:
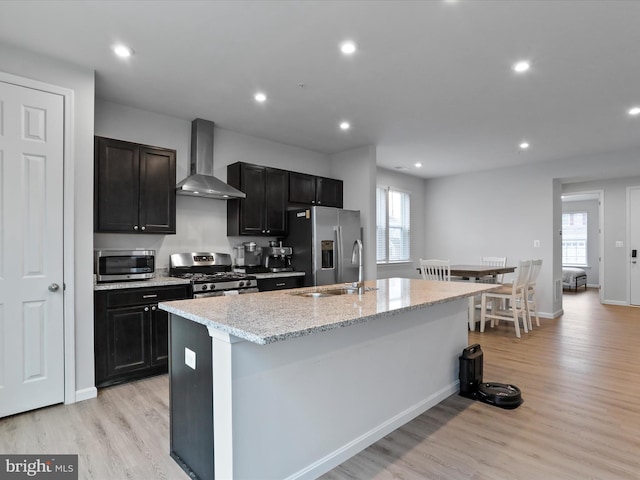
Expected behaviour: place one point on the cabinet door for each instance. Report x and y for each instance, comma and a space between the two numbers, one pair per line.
117, 186
159, 336
252, 208
157, 190
276, 202
127, 340
329, 192
280, 283
302, 188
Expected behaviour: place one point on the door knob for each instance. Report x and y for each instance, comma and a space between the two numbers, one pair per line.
54, 287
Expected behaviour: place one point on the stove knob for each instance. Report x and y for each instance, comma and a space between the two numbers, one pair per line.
241, 284
205, 287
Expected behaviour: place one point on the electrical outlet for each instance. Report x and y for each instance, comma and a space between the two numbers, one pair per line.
536, 244
190, 358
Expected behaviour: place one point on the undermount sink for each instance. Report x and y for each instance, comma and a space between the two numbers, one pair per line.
332, 292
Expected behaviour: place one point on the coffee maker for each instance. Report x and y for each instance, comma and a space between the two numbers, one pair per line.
276, 258
248, 258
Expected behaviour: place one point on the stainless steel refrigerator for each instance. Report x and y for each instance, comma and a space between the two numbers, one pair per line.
322, 239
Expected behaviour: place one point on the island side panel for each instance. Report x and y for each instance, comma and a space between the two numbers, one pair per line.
191, 397
303, 406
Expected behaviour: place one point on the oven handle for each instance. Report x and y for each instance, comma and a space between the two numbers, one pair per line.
220, 293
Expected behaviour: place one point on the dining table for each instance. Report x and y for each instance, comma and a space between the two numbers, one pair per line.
477, 273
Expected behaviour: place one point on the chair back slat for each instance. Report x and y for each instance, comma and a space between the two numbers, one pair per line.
536, 266
493, 262
522, 278
439, 270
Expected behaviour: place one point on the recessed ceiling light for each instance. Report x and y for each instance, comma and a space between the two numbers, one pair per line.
348, 48
521, 67
260, 97
122, 51
634, 111
345, 126
418, 164
524, 145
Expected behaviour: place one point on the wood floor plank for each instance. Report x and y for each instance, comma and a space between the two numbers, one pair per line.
579, 374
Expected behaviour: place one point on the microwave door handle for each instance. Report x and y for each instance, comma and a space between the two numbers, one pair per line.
338, 254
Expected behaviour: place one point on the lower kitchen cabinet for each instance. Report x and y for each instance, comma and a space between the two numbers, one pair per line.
280, 283
131, 333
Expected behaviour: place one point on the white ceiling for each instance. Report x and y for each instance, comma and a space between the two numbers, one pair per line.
431, 81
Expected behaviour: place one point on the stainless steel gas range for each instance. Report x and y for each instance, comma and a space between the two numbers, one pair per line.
210, 274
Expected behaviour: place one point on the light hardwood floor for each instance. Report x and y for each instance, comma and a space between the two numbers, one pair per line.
579, 374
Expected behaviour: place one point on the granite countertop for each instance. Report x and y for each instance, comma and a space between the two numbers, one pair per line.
157, 281
163, 280
270, 317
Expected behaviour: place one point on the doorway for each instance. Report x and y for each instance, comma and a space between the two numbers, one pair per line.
590, 206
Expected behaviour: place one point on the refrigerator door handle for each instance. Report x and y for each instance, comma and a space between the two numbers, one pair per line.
338, 253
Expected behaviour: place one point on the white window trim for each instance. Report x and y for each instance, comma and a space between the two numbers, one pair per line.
388, 262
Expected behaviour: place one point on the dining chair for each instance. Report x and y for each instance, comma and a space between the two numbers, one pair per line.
490, 262
514, 306
435, 270
530, 292
493, 262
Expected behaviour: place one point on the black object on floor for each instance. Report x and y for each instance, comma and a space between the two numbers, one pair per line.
499, 394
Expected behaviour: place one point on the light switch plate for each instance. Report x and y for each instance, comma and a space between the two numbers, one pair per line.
189, 358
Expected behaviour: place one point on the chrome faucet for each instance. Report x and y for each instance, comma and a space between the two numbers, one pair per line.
356, 257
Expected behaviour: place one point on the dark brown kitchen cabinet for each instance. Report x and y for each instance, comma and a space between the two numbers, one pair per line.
134, 188
131, 333
307, 189
280, 283
264, 211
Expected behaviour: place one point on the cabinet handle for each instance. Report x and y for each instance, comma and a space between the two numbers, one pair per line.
149, 296
135, 227
154, 308
281, 284
313, 201
263, 231
143, 228
146, 309
319, 202
268, 231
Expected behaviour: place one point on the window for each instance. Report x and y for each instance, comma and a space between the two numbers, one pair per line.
574, 238
393, 225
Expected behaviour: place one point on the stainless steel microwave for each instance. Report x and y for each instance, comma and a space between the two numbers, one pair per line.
118, 265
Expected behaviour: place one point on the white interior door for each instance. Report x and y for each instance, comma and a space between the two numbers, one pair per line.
31, 249
634, 245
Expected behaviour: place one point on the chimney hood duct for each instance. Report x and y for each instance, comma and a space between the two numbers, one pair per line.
201, 182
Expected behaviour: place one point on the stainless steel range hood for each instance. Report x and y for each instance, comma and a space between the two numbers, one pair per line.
201, 182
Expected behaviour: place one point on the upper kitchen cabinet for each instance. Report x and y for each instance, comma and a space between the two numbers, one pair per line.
264, 211
311, 190
134, 188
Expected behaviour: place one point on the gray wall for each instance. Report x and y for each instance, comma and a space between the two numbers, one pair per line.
593, 238
501, 212
81, 82
416, 186
357, 167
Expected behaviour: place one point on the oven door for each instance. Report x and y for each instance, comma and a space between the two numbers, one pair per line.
221, 293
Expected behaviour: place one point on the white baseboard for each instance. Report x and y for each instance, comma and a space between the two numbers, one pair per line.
347, 451
86, 394
615, 302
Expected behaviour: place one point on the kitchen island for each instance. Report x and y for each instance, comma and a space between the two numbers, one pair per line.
290, 384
